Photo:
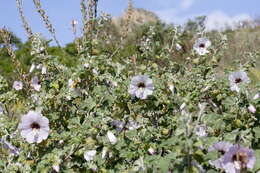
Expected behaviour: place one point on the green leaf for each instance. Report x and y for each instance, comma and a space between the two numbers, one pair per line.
257, 132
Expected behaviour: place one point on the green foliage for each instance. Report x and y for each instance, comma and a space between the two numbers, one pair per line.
85, 92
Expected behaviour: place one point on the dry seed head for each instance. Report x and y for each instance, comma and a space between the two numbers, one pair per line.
46, 20
24, 21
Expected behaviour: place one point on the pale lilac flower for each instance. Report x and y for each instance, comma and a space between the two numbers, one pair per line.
34, 127
222, 147
86, 65
237, 78
178, 46
201, 45
238, 158
200, 130
218, 163
95, 71
257, 96
111, 137
118, 124
56, 168
32, 68
18, 85
141, 86
251, 109
35, 83
90, 155
151, 151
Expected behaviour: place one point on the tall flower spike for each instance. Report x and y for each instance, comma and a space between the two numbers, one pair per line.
34, 127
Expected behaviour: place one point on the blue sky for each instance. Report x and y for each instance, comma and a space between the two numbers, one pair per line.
61, 12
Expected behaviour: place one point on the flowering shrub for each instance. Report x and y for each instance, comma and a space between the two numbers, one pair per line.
131, 114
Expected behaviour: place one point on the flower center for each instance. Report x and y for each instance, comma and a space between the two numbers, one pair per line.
35, 125
238, 80
241, 158
141, 85
202, 45
221, 152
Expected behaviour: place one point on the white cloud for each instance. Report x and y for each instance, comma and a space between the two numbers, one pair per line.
173, 15
216, 20
185, 4
220, 21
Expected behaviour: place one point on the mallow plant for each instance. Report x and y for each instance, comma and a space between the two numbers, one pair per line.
131, 114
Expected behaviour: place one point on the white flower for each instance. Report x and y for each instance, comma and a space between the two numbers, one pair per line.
44, 69
171, 87
17, 85
201, 45
141, 86
114, 84
151, 151
201, 130
35, 83
95, 71
56, 168
257, 96
34, 127
251, 109
42, 49
178, 46
32, 68
183, 105
1, 110
86, 65
39, 66
111, 137
70, 83
237, 78
104, 153
89, 155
